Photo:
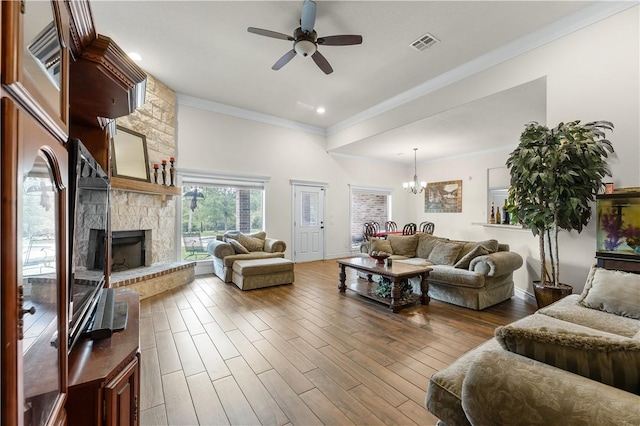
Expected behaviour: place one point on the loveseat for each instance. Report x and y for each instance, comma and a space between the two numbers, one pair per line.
234, 245
575, 362
472, 274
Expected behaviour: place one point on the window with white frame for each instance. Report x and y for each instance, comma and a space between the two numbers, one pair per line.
212, 205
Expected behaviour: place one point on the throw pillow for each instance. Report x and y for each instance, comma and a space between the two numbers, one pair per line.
262, 235
404, 245
611, 291
605, 357
237, 247
444, 253
378, 244
426, 243
490, 245
251, 243
463, 262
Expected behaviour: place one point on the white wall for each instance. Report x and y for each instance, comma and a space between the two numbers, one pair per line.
219, 143
592, 74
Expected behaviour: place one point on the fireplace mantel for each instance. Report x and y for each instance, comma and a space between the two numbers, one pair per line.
131, 185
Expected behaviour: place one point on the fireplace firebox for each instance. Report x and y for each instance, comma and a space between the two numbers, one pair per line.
129, 249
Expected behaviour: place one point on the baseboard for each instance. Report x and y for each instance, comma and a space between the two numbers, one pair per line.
526, 296
340, 255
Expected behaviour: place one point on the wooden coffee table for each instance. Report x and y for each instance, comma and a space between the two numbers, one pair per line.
396, 273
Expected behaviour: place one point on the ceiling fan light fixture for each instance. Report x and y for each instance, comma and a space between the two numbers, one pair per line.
305, 48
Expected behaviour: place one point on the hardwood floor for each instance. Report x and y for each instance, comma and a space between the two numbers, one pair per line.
298, 354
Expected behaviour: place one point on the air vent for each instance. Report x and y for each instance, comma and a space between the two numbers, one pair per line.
424, 42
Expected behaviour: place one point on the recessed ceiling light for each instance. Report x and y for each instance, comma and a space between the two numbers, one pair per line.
320, 110
135, 56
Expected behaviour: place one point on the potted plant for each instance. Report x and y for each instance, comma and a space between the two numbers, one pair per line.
555, 175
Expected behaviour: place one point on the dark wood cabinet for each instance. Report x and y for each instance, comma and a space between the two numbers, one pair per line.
39, 81
34, 233
104, 375
121, 396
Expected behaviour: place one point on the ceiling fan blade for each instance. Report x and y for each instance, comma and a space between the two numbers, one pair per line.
268, 33
322, 62
308, 19
284, 60
340, 40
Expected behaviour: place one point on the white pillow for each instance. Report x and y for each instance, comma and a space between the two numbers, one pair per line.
612, 291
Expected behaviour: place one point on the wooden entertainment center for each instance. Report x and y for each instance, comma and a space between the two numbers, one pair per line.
60, 80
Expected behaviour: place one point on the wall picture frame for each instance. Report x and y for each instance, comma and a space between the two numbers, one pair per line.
443, 197
129, 157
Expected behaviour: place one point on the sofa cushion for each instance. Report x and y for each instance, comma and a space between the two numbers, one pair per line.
463, 261
569, 309
404, 245
426, 243
456, 278
601, 356
228, 260
237, 247
377, 244
611, 291
251, 243
444, 253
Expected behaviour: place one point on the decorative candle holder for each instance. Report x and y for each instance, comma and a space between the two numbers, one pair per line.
164, 172
172, 171
155, 172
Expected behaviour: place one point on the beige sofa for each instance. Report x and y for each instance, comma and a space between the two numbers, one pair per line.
575, 362
472, 274
235, 245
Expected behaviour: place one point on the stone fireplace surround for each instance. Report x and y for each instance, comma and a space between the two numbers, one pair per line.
155, 214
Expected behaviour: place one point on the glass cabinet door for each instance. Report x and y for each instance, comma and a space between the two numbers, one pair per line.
39, 291
39, 82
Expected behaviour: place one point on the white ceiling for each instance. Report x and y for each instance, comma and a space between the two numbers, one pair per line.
202, 49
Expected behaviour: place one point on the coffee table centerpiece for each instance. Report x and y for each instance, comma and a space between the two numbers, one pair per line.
379, 256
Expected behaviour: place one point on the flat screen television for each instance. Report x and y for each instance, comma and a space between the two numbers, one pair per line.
89, 218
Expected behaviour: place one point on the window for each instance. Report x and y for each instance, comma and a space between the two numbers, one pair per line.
213, 205
368, 204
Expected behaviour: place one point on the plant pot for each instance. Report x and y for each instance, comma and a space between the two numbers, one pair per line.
547, 294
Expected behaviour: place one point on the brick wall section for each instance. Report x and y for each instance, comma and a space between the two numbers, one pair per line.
132, 210
365, 208
243, 210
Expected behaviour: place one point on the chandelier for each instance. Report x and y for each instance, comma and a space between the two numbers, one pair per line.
413, 185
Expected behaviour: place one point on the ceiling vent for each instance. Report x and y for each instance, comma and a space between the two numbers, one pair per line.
424, 42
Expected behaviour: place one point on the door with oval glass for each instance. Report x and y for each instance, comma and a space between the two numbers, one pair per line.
308, 224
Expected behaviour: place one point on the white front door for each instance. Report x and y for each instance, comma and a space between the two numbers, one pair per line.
308, 223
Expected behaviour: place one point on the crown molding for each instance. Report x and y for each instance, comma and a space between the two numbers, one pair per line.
246, 114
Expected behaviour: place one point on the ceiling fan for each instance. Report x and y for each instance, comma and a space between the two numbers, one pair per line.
305, 39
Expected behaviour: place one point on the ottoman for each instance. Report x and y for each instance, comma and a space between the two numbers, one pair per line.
259, 273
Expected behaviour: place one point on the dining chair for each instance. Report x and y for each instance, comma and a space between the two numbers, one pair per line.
390, 226
368, 229
409, 229
427, 227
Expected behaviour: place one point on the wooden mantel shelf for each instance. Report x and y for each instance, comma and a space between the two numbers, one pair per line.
145, 187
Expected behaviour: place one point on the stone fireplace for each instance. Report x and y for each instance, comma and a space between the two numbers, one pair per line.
151, 214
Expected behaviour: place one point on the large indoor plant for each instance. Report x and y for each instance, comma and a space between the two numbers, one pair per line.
555, 175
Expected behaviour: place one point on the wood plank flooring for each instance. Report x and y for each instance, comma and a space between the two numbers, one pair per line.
300, 354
